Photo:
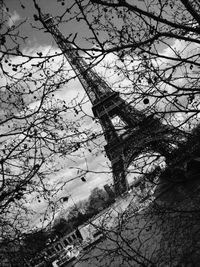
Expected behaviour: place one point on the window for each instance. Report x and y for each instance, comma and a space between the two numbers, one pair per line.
74, 236
58, 247
49, 252
70, 239
65, 241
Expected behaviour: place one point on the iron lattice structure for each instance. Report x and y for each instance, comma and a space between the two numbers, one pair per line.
141, 133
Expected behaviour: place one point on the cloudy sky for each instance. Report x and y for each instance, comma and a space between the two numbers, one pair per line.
38, 41
24, 9
68, 168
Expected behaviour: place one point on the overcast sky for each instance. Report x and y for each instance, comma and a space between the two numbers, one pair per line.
38, 40
23, 9
67, 168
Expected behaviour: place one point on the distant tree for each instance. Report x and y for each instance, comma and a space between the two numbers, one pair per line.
35, 242
97, 200
61, 227
78, 213
84, 210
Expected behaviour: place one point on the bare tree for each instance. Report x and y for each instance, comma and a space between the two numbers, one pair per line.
156, 47
36, 130
155, 51
155, 57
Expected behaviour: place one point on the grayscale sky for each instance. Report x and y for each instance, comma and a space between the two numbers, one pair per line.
23, 9
38, 40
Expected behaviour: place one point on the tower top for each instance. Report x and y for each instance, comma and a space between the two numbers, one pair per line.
96, 88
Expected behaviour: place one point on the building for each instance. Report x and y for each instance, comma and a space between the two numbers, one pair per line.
82, 237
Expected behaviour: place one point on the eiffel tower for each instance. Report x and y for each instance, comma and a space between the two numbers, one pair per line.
141, 133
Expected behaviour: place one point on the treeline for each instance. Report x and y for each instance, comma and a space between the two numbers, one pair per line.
82, 211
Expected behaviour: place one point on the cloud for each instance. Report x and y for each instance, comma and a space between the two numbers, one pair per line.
98, 166
13, 18
73, 90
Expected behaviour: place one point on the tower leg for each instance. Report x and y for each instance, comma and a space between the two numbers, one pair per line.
119, 177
